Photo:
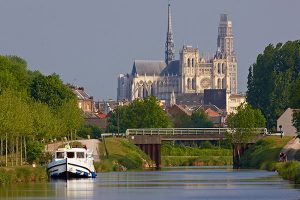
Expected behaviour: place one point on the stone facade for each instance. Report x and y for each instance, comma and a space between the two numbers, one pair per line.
192, 73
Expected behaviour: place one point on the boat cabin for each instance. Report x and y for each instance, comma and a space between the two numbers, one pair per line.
75, 153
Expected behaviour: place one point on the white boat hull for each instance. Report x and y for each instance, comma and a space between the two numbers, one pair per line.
67, 168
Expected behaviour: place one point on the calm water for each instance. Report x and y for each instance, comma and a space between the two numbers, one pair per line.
168, 184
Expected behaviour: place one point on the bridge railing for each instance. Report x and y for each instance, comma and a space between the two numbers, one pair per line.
184, 131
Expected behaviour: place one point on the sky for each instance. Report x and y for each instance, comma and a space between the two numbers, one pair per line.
89, 42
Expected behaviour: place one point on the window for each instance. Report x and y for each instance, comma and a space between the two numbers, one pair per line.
189, 84
193, 63
70, 154
219, 84
219, 68
223, 68
80, 154
60, 155
193, 84
189, 62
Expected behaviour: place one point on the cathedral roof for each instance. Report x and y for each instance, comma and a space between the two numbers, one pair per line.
172, 68
148, 67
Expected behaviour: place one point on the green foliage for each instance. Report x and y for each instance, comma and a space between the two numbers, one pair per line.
296, 120
50, 90
71, 117
271, 80
141, 113
123, 155
180, 155
198, 119
243, 124
13, 74
24, 174
92, 130
290, 171
35, 151
264, 153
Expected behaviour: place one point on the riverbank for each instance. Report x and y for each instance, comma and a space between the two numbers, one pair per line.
264, 155
208, 155
24, 174
118, 154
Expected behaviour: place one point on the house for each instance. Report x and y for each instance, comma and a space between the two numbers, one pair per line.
285, 121
85, 102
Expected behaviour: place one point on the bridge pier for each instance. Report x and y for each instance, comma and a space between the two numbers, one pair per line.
238, 150
151, 145
153, 150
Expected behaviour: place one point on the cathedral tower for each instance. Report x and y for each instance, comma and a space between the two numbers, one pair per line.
225, 37
170, 50
225, 64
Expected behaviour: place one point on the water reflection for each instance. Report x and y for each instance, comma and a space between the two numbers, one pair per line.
74, 188
171, 183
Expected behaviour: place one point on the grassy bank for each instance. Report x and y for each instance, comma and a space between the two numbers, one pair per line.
179, 155
23, 174
122, 156
289, 170
264, 155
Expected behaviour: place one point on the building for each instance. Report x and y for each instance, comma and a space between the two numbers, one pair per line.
85, 102
286, 122
234, 101
191, 74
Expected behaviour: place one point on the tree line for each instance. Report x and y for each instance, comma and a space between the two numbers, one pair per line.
33, 108
274, 82
147, 113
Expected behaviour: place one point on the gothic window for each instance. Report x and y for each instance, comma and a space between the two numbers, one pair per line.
152, 91
223, 68
189, 84
219, 83
140, 93
193, 63
193, 84
145, 92
189, 62
224, 83
219, 68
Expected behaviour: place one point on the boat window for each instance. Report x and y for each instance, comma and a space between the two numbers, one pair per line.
70, 154
60, 154
80, 154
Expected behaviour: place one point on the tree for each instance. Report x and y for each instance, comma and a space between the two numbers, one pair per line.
200, 120
92, 130
271, 78
141, 113
295, 103
13, 74
70, 117
244, 123
50, 90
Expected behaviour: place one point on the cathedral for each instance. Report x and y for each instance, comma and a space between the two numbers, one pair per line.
191, 74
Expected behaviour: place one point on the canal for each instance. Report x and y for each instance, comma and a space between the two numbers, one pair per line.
167, 184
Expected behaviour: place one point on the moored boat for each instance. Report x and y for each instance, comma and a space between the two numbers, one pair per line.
72, 163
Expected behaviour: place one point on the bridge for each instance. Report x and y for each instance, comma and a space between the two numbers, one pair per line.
150, 139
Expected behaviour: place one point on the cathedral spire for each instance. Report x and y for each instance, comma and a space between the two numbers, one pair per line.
170, 51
